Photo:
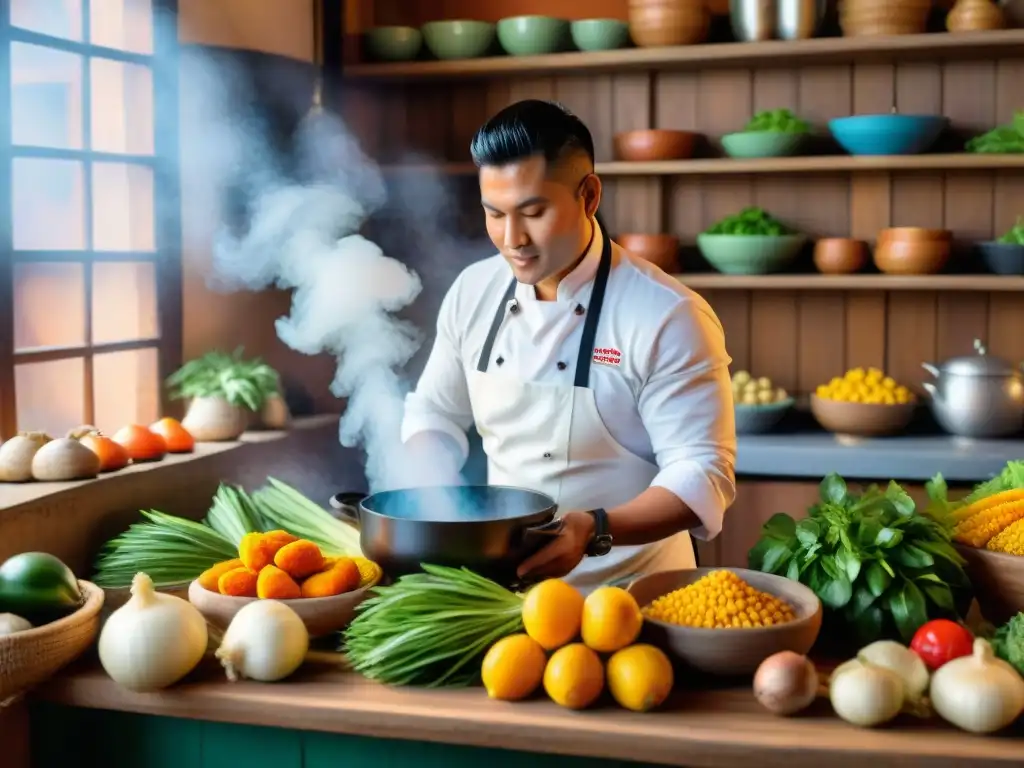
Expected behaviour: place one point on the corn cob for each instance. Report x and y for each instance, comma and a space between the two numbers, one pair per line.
976, 530
987, 502
1009, 541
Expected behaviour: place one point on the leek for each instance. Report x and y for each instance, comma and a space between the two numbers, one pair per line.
233, 514
281, 506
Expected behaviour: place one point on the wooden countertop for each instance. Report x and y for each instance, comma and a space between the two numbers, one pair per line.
717, 728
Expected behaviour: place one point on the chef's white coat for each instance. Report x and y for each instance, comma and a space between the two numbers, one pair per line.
661, 380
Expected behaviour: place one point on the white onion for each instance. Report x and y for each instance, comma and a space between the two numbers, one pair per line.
978, 693
266, 641
866, 695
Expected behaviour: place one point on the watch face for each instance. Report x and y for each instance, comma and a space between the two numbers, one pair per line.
601, 545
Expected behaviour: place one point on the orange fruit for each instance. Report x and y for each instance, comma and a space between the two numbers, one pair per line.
640, 677
513, 668
552, 612
611, 619
574, 676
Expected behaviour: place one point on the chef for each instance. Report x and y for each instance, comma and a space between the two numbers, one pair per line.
590, 374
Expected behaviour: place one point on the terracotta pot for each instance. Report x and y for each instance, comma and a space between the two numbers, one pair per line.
840, 255
975, 16
214, 420
908, 257
275, 413
654, 23
660, 250
914, 235
655, 144
883, 17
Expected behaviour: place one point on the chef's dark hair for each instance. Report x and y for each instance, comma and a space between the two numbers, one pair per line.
527, 128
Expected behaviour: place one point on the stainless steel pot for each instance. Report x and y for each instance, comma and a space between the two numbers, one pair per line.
489, 529
977, 395
800, 19
752, 20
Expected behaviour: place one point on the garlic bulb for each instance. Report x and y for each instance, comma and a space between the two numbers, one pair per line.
153, 640
16, 456
865, 694
266, 640
979, 693
9, 624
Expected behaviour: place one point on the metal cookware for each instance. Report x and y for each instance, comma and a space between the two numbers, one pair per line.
800, 19
752, 20
489, 529
977, 395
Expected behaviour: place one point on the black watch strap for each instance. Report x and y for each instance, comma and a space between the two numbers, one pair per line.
601, 541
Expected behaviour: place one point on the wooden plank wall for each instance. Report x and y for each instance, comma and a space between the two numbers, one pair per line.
798, 338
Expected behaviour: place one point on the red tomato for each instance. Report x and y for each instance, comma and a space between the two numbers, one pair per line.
941, 640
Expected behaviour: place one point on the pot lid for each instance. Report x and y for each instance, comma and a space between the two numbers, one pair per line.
980, 364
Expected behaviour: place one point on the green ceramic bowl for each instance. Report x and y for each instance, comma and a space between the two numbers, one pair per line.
762, 143
599, 34
393, 43
533, 35
750, 254
758, 419
458, 39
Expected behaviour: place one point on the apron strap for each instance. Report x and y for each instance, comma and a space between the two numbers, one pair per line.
492, 334
586, 353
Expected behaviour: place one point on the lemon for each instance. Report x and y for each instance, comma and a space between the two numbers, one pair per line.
640, 677
574, 676
552, 611
611, 619
513, 668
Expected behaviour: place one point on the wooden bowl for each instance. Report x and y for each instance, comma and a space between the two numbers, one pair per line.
998, 582
911, 257
730, 651
914, 234
861, 419
840, 255
654, 23
654, 144
660, 250
321, 615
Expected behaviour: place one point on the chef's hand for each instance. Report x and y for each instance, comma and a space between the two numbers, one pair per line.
564, 553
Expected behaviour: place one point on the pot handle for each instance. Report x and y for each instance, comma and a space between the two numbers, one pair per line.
931, 369
347, 504
549, 530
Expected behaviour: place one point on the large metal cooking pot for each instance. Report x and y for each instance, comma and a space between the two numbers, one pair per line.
977, 395
489, 529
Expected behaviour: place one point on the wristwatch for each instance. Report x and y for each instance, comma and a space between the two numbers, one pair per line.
601, 541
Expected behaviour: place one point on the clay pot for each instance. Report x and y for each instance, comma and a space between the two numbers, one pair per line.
914, 234
275, 413
975, 16
656, 144
908, 257
214, 420
883, 17
840, 255
660, 250
654, 23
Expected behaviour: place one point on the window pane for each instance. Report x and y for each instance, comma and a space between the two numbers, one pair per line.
123, 301
127, 389
49, 305
46, 97
122, 107
122, 207
123, 24
59, 18
50, 395
48, 205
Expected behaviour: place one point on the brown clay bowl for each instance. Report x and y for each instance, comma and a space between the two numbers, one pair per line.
730, 651
660, 250
909, 257
321, 615
655, 23
861, 419
840, 255
998, 582
914, 234
654, 144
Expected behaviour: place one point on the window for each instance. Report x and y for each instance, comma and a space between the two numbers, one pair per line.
90, 263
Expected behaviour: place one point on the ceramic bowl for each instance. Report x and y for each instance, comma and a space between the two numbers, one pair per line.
458, 39
654, 144
887, 134
730, 651
840, 255
660, 250
599, 34
321, 615
861, 419
393, 43
910, 257
998, 582
758, 419
750, 254
1003, 258
752, 144
533, 35
914, 234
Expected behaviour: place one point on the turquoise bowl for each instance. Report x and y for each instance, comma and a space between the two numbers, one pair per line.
393, 43
458, 39
750, 254
887, 134
599, 34
752, 144
533, 35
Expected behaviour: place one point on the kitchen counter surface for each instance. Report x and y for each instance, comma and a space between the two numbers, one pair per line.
713, 728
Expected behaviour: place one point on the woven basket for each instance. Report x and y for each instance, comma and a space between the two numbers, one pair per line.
33, 656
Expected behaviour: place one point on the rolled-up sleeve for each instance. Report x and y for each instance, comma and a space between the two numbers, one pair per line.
440, 402
686, 406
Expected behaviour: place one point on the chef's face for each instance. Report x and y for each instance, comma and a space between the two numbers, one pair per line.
539, 216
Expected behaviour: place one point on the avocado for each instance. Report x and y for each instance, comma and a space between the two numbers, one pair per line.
39, 587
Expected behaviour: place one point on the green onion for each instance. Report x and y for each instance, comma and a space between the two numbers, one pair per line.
171, 550
233, 514
432, 628
281, 506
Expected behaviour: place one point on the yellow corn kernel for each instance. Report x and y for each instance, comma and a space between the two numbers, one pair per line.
1009, 541
976, 530
1014, 494
720, 600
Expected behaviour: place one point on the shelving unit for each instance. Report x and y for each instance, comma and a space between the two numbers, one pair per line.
856, 282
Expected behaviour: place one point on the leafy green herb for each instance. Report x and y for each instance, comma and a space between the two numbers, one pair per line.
1014, 235
749, 221
877, 564
777, 121
1008, 642
1001, 140
245, 383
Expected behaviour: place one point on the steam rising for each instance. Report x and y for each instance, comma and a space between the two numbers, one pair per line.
301, 232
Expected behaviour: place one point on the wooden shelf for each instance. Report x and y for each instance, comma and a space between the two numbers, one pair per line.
933, 46
715, 281
962, 161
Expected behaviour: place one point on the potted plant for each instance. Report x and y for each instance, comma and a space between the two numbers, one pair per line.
224, 392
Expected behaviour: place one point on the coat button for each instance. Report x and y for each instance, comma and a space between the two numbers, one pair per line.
547, 455
579, 309
514, 308
561, 365
500, 360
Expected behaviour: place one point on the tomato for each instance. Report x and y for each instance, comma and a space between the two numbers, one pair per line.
942, 640
113, 455
178, 439
142, 444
